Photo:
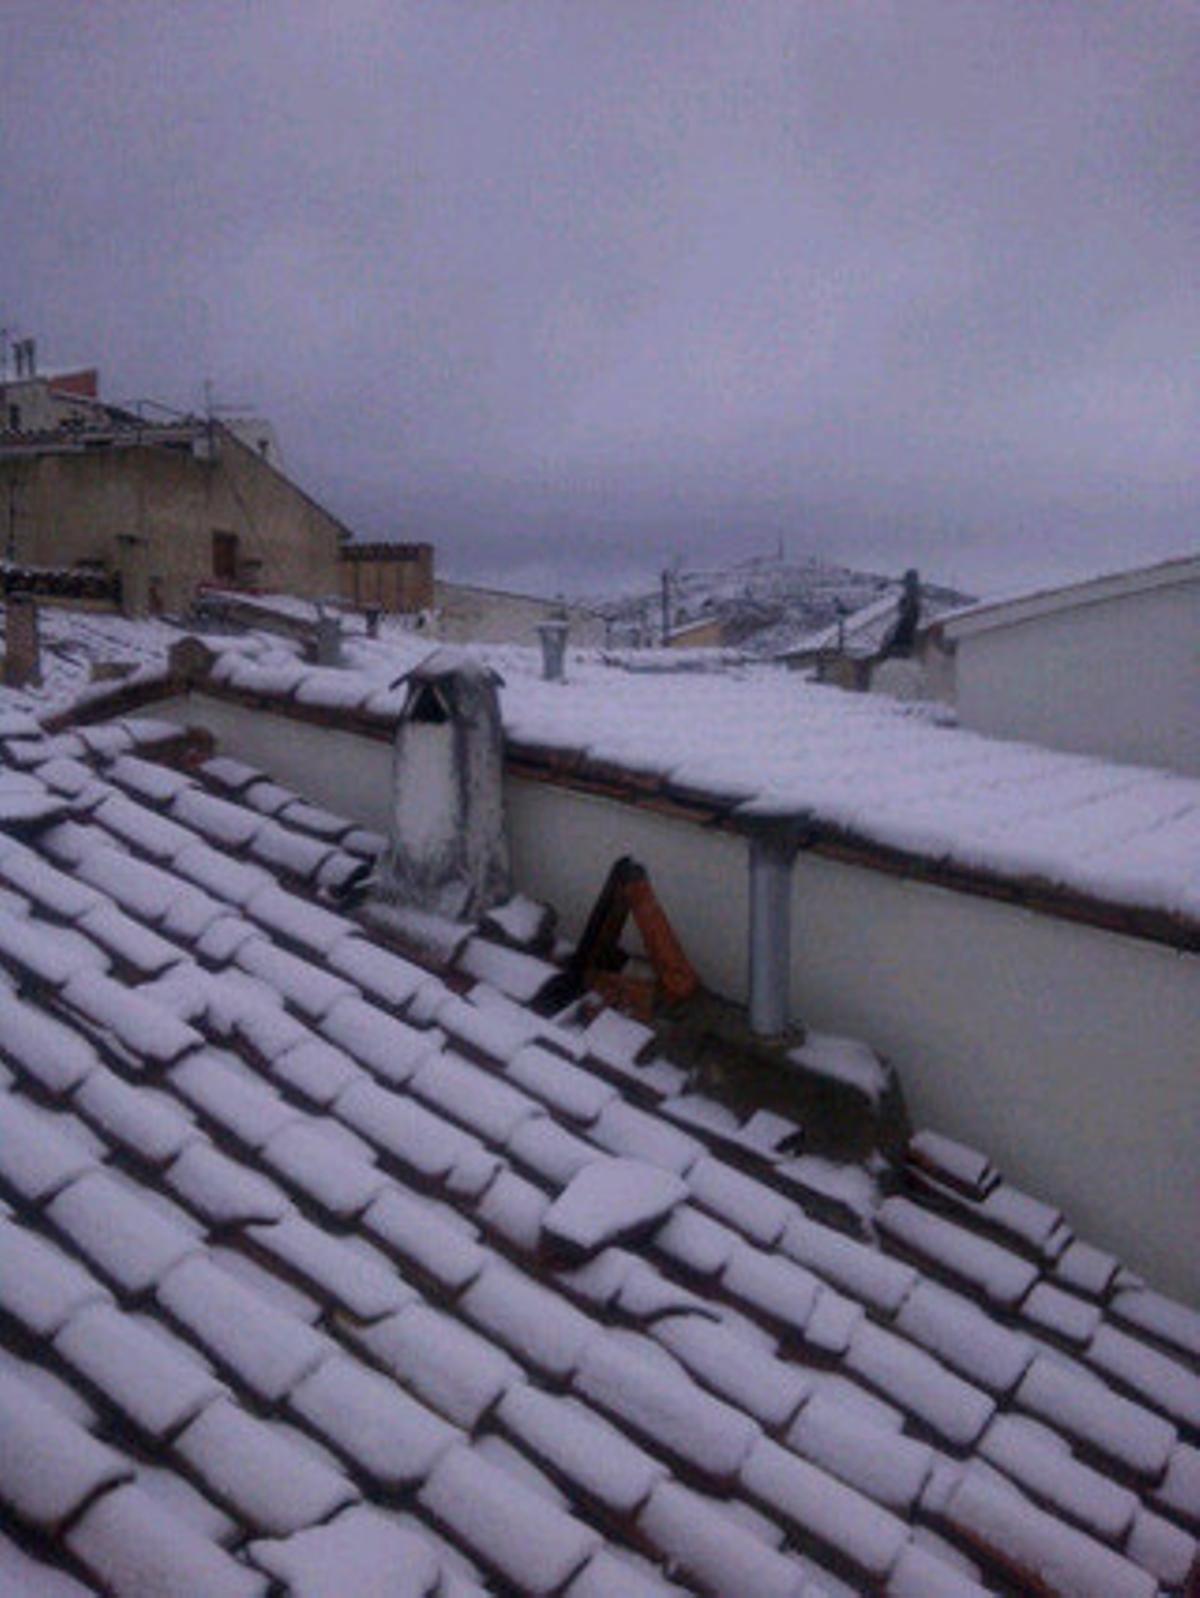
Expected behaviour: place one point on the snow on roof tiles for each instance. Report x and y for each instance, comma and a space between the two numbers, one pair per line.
857, 769
290, 1254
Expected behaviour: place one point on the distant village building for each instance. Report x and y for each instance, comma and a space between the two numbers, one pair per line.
891, 646
32, 403
1110, 666
702, 632
471, 614
165, 506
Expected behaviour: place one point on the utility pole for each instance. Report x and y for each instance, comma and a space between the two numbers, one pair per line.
666, 604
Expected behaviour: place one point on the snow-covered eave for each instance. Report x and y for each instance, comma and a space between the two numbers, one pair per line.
1010, 612
574, 768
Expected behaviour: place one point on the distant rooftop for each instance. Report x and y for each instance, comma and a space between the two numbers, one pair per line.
1026, 604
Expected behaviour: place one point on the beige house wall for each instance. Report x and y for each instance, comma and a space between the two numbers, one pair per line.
61, 509
493, 616
706, 634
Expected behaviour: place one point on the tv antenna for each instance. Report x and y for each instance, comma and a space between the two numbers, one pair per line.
214, 407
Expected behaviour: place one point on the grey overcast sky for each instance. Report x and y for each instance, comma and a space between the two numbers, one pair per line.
574, 287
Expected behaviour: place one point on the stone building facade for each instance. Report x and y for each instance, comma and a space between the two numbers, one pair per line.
170, 508
34, 402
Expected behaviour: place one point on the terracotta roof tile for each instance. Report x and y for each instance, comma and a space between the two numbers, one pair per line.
53, 1466
129, 1541
351, 1292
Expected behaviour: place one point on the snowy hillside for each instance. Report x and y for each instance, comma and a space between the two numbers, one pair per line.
767, 605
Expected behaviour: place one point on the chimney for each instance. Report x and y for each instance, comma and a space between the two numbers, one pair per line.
553, 636
449, 852
22, 653
908, 618
327, 640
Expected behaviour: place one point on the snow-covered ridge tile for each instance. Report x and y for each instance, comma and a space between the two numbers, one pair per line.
858, 1529
151, 1034
948, 1405
958, 1332
221, 1190
1038, 1461
262, 1346
1155, 1378
125, 1237
36, 1159
755, 1260
1002, 1276
1037, 1547
371, 1421
659, 1404
60, 1465
1170, 1322
446, 1365
752, 1378
146, 1374
41, 1287
856, 1267
1083, 1407
506, 1525
707, 1546
536, 1325
147, 1125
882, 1464
609, 1201
272, 1485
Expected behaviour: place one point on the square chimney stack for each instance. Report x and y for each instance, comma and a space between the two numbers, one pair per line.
448, 854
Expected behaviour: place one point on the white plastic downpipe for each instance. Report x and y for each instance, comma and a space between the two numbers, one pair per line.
770, 952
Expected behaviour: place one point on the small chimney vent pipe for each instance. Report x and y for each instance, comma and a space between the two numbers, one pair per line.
22, 654
553, 637
772, 854
327, 640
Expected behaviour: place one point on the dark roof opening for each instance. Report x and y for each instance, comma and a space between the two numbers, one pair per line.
429, 706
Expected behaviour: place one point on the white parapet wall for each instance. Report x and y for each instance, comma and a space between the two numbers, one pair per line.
349, 773
1069, 1053
1115, 673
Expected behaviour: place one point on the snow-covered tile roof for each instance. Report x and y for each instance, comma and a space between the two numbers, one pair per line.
322, 1272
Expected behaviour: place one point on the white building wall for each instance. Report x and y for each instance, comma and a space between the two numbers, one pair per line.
1118, 677
1068, 1053
349, 773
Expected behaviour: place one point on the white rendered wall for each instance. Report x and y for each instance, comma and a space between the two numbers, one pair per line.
350, 774
1071, 1055
1068, 1053
1119, 678
563, 845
